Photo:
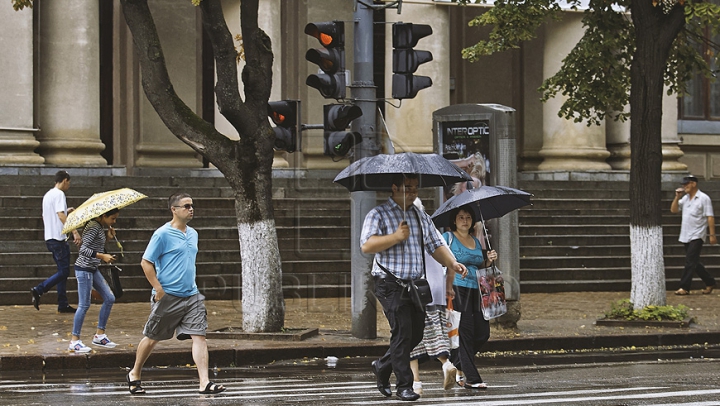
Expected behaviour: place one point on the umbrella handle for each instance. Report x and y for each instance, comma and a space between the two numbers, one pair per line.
487, 239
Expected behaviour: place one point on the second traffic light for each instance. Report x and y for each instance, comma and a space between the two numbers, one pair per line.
406, 60
285, 115
330, 59
336, 119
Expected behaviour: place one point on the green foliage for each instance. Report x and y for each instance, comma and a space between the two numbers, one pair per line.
21, 4
594, 78
513, 21
623, 309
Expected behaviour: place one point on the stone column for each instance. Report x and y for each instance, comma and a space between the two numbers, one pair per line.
410, 126
178, 29
671, 151
17, 132
567, 145
68, 92
618, 142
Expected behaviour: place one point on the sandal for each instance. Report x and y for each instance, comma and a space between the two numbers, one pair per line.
478, 385
682, 292
212, 388
135, 387
460, 379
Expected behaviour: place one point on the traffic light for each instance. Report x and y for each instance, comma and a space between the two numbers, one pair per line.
285, 114
337, 118
406, 60
330, 59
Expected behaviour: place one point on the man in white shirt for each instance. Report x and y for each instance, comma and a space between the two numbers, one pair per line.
54, 214
697, 219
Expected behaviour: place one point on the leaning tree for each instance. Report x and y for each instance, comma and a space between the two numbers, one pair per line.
246, 163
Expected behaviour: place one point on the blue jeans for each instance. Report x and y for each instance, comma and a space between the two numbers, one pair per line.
61, 254
88, 279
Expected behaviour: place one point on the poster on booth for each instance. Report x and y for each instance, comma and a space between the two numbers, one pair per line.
467, 145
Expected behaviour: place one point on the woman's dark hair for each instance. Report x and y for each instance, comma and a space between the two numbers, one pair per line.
453, 215
110, 212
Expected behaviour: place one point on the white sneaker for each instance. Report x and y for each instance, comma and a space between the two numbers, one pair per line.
103, 341
79, 347
417, 387
449, 371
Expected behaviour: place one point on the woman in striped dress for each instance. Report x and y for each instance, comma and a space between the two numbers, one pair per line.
91, 254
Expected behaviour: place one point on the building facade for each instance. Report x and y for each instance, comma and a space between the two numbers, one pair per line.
72, 96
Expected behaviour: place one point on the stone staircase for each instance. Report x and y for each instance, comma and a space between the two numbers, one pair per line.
312, 218
574, 238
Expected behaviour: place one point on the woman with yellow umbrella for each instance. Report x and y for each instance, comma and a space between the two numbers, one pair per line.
97, 213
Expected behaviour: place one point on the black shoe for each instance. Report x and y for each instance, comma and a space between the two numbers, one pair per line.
383, 387
68, 309
36, 298
408, 394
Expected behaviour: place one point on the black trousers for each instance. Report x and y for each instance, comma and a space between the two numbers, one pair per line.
692, 264
406, 331
474, 332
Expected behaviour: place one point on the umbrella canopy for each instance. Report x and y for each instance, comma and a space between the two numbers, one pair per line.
376, 172
99, 204
488, 202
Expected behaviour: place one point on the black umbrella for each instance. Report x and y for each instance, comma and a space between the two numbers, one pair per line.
376, 172
488, 202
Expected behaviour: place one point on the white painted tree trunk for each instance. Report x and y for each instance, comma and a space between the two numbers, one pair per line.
262, 299
648, 267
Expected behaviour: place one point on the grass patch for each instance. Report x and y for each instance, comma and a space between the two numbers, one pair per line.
623, 310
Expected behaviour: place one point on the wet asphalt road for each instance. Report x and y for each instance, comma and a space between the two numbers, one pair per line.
311, 382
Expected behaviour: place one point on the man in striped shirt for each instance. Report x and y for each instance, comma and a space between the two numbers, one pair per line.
398, 233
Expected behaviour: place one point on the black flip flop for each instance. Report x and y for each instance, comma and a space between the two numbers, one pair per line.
212, 388
135, 387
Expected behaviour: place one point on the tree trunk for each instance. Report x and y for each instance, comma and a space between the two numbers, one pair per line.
247, 162
655, 32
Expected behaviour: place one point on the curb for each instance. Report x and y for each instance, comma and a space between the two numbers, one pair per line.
520, 351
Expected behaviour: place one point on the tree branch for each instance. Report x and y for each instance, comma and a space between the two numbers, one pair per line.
257, 74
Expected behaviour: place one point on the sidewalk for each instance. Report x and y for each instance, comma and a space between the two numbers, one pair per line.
557, 324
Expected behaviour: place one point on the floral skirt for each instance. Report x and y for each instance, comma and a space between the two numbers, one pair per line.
435, 340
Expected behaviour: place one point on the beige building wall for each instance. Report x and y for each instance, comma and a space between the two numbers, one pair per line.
410, 125
157, 146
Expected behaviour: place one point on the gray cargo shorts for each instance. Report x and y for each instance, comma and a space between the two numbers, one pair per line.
184, 316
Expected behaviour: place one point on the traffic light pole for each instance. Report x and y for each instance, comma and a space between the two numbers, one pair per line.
363, 92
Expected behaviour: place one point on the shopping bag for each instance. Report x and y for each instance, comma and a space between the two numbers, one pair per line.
453, 324
492, 292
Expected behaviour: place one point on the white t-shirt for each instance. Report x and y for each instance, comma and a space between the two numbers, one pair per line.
53, 203
694, 216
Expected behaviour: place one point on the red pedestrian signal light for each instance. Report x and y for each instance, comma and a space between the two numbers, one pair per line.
330, 59
285, 114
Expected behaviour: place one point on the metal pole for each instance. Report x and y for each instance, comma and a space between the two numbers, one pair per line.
363, 92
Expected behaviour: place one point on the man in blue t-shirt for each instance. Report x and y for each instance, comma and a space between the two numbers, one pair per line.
177, 305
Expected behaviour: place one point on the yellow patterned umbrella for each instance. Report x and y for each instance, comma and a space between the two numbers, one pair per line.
99, 204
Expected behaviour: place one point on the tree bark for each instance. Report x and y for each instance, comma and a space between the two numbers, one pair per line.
247, 162
655, 32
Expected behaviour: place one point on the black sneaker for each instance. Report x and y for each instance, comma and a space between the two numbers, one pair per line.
36, 298
68, 309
